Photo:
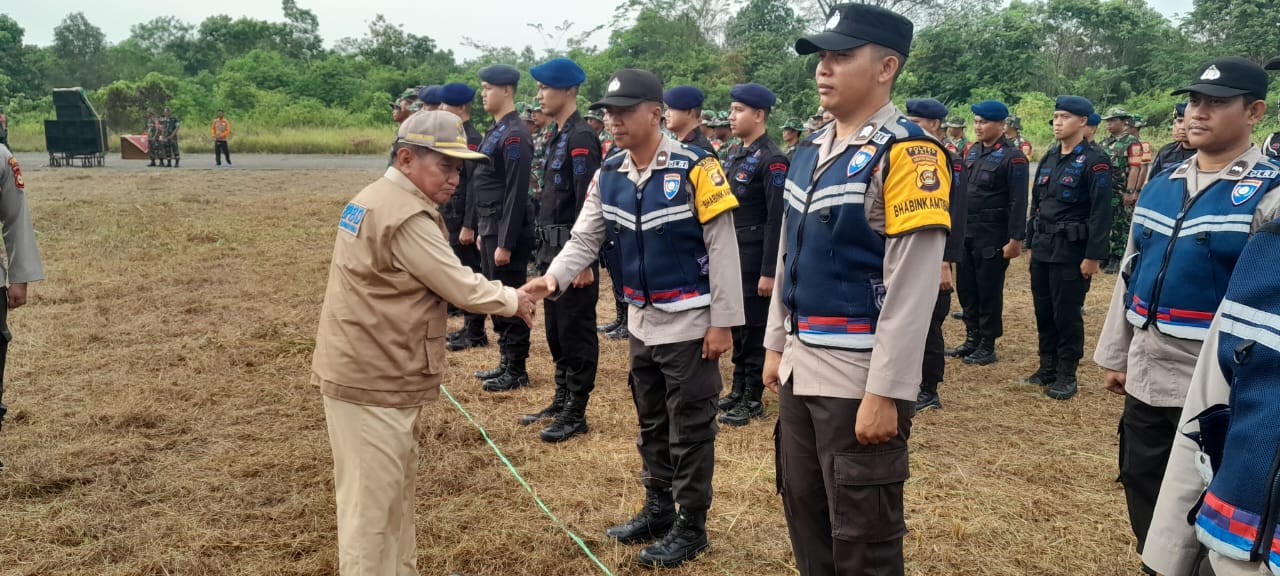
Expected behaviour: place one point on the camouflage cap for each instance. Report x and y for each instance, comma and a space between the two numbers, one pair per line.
1139, 121
793, 124
525, 110
596, 114
409, 94
709, 118
1013, 121
955, 122
1117, 112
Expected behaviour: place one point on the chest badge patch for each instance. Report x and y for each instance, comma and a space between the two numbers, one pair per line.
861, 158
352, 217
671, 185
1244, 191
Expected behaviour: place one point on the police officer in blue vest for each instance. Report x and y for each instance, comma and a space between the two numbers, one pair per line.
499, 213
684, 116
569, 163
864, 230
456, 98
930, 114
669, 208
757, 174
1189, 228
996, 186
1068, 234
1178, 151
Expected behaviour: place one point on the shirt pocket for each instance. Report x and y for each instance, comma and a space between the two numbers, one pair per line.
437, 328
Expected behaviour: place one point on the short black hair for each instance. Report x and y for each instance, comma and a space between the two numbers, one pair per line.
883, 52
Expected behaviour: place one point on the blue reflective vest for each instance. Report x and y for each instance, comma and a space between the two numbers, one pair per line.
1185, 252
833, 269
659, 238
1242, 505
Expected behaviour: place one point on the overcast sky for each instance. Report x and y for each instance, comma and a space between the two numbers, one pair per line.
496, 22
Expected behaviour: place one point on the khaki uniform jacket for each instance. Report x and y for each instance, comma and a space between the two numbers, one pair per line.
19, 235
382, 326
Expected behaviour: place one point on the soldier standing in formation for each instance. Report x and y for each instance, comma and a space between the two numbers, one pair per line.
669, 208
1125, 153
757, 173
1189, 229
172, 155
863, 236
1135, 129
684, 116
791, 136
929, 114
996, 185
1013, 133
154, 130
1067, 233
956, 142
498, 215
1178, 151
456, 99
571, 161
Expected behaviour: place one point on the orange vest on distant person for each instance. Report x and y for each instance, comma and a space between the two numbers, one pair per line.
221, 129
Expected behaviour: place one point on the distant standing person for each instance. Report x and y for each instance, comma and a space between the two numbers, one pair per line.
171, 125
4, 128
221, 134
20, 247
154, 129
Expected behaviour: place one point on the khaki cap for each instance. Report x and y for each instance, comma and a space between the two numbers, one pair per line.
440, 131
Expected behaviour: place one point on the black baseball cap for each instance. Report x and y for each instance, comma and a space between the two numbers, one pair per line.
852, 25
628, 87
1228, 77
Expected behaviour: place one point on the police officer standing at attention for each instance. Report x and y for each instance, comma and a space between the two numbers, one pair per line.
669, 208
1126, 179
1178, 151
571, 160
23, 257
1067, 233
684, 116
456, 98
929, 114
379, 355
757, 175
430, 97
499, 208
1189, 228
996, 185
863, 236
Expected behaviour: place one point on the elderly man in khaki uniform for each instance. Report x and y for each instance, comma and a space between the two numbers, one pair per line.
380, 347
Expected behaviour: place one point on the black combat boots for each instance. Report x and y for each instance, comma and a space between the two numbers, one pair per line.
968, 347
685, 541
747, 408
654, 520
570, 422
984, 355
496, 371
1064, 387
556, 406
731, 399
620, 319
928, 398
1045, 375
514, 377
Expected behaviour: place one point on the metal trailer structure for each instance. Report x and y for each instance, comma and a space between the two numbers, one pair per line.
78, 135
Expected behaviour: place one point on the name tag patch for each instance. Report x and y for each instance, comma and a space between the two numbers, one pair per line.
352, 217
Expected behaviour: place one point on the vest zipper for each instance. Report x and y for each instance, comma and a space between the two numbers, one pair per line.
1267, 531
644, 279
1154, 307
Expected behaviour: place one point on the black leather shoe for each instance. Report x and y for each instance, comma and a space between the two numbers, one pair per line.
509, 380
1040, 377
619, 333
733, 398
928, 401
464, 342
654, 520
492, 373
556, 406
684, 542
1063, 389
610, 327
743, 413
985, 355
969, 346
570, 422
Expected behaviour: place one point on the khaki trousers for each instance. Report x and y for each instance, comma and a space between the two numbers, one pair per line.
375, 467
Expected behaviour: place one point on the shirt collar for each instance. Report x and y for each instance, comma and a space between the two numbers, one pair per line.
666, 147
1234, 171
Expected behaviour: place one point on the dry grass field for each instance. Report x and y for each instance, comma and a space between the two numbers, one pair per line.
162, 423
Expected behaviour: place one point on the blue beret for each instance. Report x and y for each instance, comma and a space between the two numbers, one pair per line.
927, 108
430, 94
558, 73
683, 98
753, 95
500, 75
1075, 105
1094, 119
991, 110
1180, 110
457, 94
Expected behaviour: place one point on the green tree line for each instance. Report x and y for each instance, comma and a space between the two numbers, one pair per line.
273, 75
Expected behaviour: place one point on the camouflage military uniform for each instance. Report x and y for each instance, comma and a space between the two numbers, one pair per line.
153, 138
171, 125
954, 145
1125, 152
